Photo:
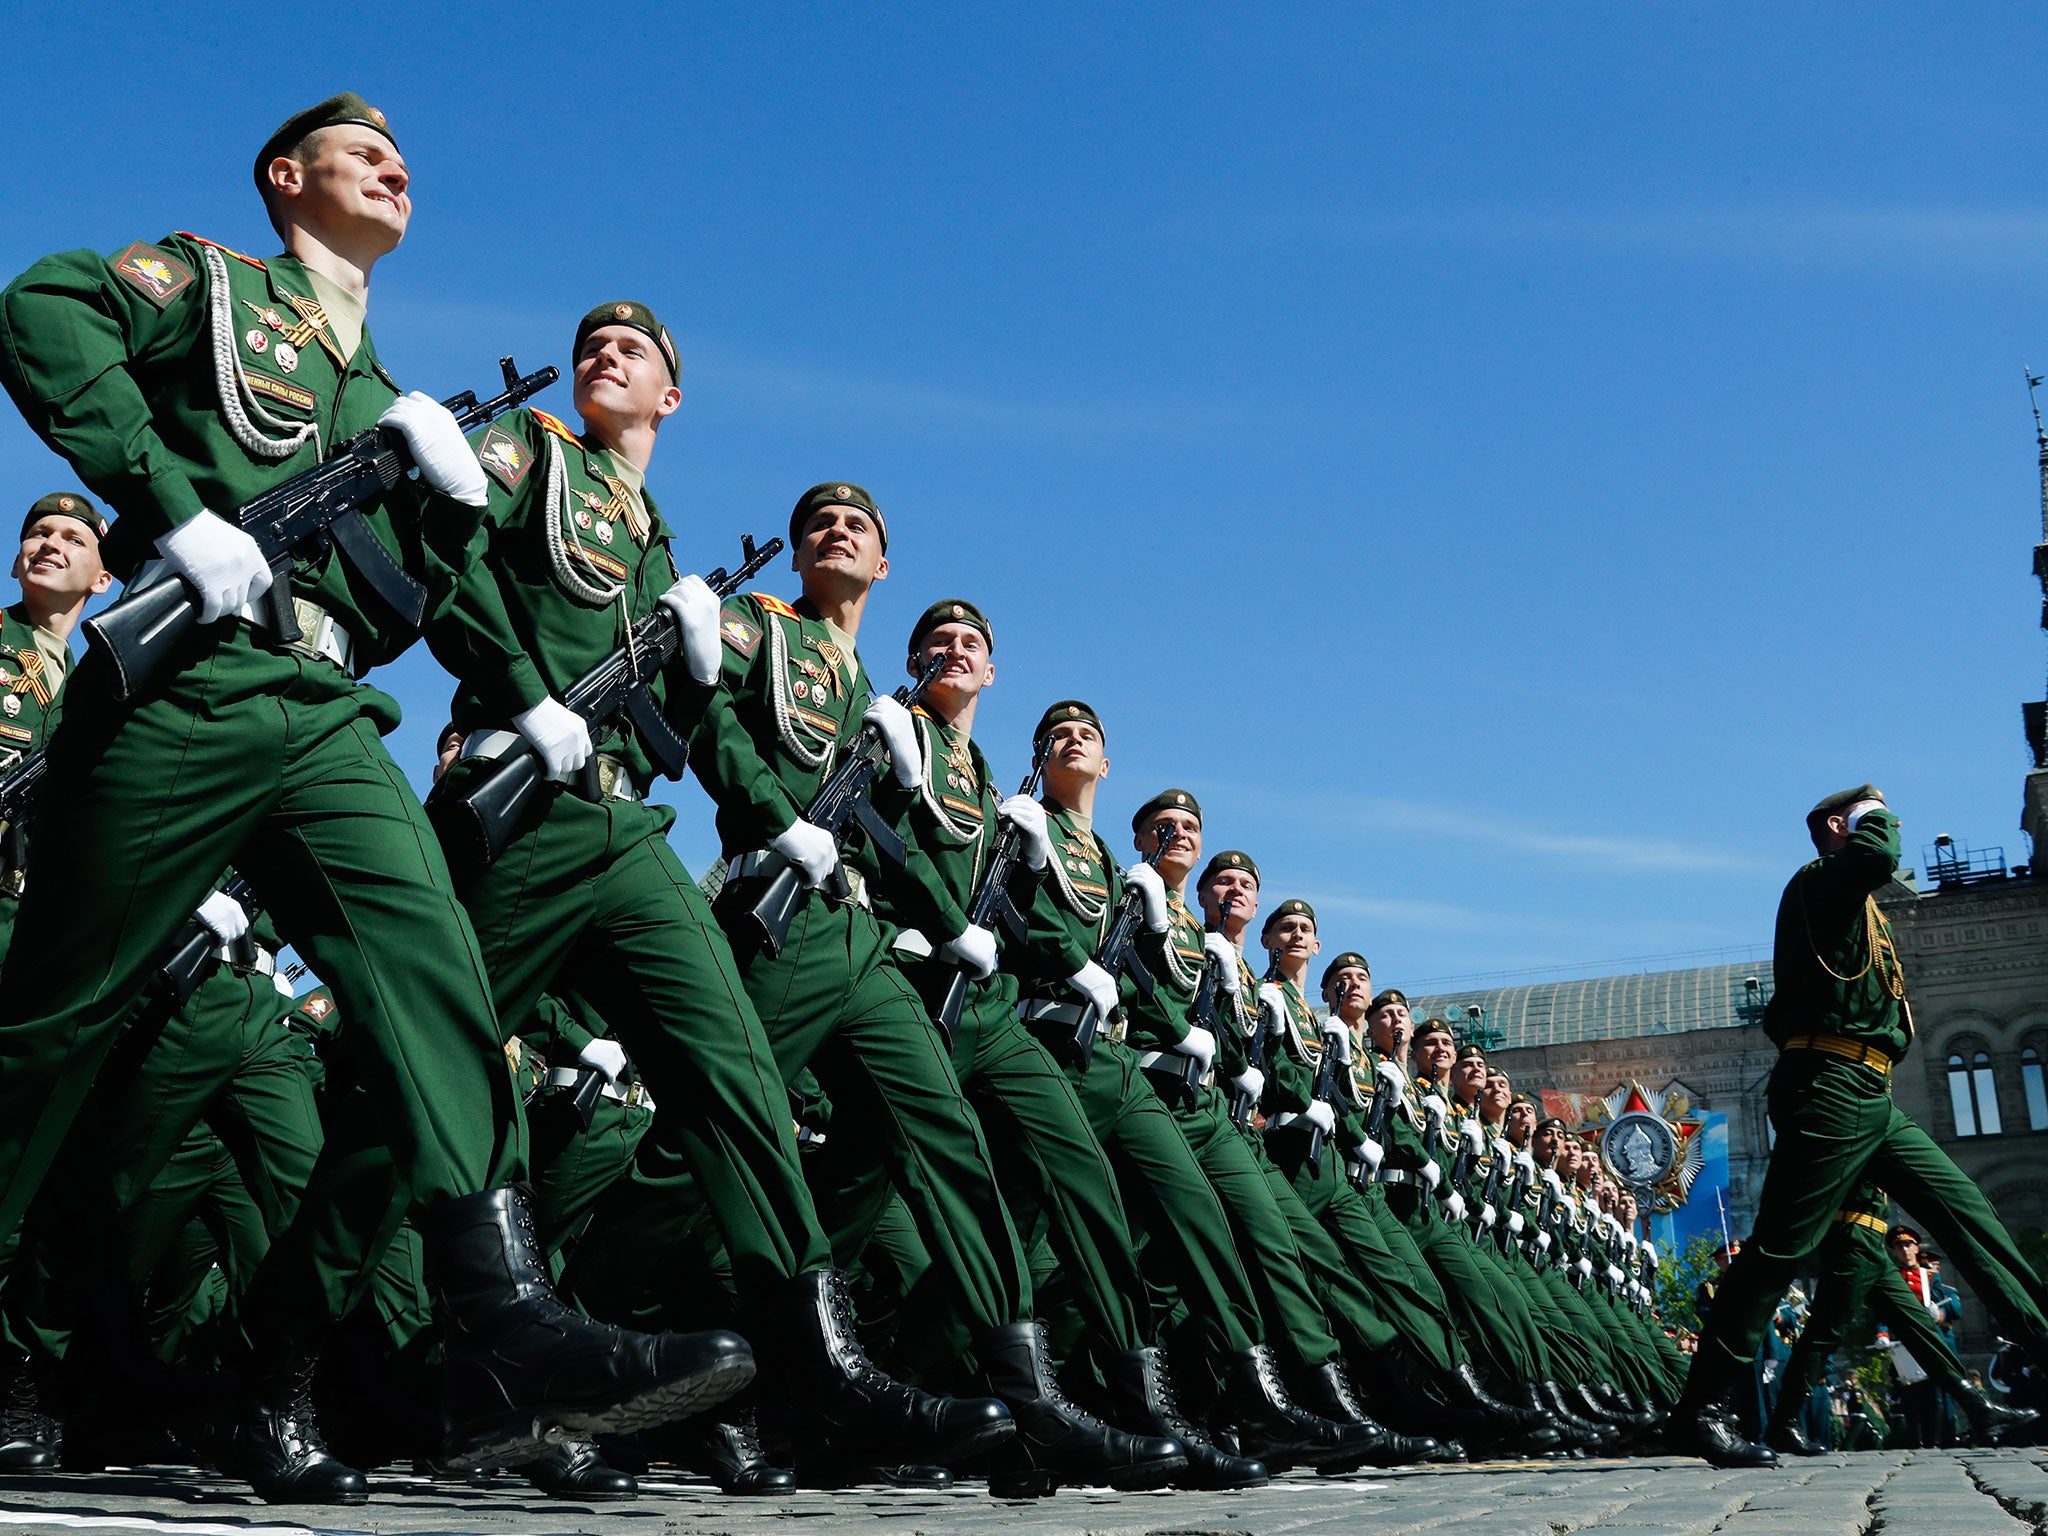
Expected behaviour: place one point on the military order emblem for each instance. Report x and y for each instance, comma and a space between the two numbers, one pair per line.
1649, 1143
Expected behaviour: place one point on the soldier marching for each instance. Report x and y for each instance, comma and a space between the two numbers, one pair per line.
981, 1150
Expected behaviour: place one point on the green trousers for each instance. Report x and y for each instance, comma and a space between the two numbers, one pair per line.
1190, 1258
225, 1061
592, 897
1859, 1285
270, 761
1289, 1306
1837, 1125
1493, 1319
216, 1236
1381, 1269
834, 1000
1047, 1159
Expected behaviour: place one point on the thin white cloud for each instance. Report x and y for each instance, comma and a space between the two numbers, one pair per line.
1605, 851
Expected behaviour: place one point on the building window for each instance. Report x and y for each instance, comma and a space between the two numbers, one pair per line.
1973, 1095
2037, 1090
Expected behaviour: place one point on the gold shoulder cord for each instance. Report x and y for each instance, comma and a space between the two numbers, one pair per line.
1892, 975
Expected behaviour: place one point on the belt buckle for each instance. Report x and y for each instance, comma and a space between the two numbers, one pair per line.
609, 771
1118, 1030
315, 628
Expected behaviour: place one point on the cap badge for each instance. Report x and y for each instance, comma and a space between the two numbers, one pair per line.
1180, 799
843, 491
65, 503
377, 117
623, 311
1073, 713
959, 612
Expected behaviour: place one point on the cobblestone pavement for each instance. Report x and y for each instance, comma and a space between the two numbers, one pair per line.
1906, 1493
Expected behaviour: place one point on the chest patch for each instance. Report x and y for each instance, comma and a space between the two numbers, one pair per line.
283, 391
153, 272
741, 636
504, 458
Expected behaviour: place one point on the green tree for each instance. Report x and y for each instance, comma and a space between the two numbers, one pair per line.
1678, 1278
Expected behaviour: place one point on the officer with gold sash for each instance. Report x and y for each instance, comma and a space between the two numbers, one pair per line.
1841, 1023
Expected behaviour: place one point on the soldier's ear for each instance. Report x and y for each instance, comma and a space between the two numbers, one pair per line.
1105, 770
882, 569
101, 582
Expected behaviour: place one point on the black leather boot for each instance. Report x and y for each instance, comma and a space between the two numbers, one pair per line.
1788, 1439
851, 1415
275, 1445
1703, 1423
28, 1436
1055, 1438
1277, 1429
726, 1447
521, 1369
1468, 1388
1988, 1417
1586, 1431
1141, 1397
1327, 1391
576, 1470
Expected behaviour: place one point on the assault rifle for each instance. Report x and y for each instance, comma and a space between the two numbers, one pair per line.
18, 788
842, 798
1489, 1191
197, 956
321, 503
992, 903
1518, 1194
1384, 1096
1119, 955
1241, 1103
1324, 1092
486, 811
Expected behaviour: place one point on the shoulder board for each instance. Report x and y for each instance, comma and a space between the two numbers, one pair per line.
556, 427
920, 711
775, 605
186, 234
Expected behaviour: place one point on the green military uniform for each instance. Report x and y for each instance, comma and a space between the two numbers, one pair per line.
177, 377
588, 894
1491, 1315
1046, 1156
1388, 1275
1268, 1241
1190, 1253
834, 996
1841, 1021
575, 1160
33, 662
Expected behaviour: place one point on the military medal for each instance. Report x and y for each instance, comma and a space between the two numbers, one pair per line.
583, 517
287, 357
604, 533
12, 704
255, 341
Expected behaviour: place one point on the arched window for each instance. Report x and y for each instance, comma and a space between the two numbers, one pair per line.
2037, 1090
1973, 1095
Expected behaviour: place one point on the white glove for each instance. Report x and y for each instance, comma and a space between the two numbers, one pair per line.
1553, 1182
1099, 986
223, 916
445, 459
1251, 1082
1337, 1040
899, 732
696, 611
1487, 1214
1649, 1252
1526, 1162
1515, 1223
1614, 1275
1200, 1044
1503, 1150
1543, 1242
975, 949
1434, 1102
811, 849
1431, 1174
605, 1056
1321, 1116
1153, 890
558, 734
1472, 1133
1454, 1206
1584, 1266
1390, 1073
220, 562
1225, 954
1028, 817
1272, 1011
1372, 1154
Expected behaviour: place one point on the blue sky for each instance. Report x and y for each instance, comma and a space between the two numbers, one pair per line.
1507, 464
